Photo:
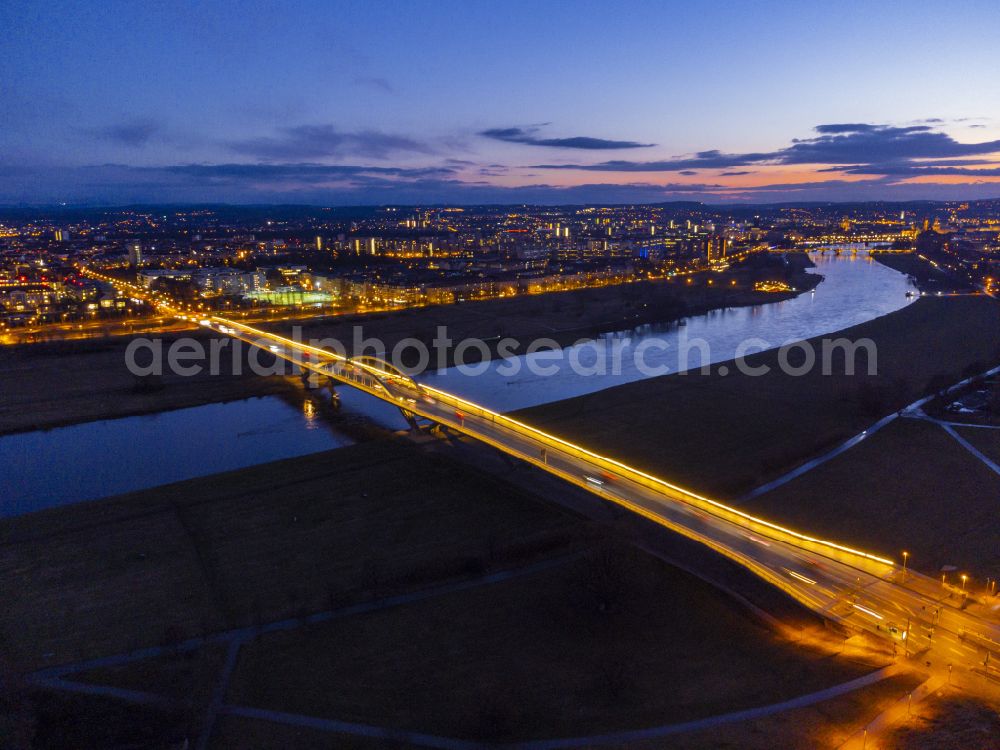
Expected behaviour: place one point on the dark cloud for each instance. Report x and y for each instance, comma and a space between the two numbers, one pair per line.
527, 136
688, 172
853, 127
954, 162
878, 144
292, 173
267, 181
880, 159
116, 184
374, 82
837, 144
736, 173
347, 184
134, 133
319, 141
701, 160
905, 169
904, 166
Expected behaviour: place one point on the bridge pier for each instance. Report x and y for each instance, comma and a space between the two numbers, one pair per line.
312, 380
410, 418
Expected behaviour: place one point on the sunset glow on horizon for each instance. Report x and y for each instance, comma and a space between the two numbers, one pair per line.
347, 103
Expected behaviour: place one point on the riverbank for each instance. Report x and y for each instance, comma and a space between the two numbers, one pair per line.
53, 385
928, 278
57, 384
252, 545
568, 317
725, 432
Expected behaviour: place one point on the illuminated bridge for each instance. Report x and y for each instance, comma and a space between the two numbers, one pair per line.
943, 624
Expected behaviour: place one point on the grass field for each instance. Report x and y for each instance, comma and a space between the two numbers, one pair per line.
615, 640
927, 277
60, 721
986, 440
727, 434
948, 720
187, 676
592, 644
910, 486
252, 734
256, 545
825, 725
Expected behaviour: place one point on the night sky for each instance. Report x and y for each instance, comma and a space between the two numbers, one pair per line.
472, 102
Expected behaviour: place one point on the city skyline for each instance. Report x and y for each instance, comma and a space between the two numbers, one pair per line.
426, 373
353, 105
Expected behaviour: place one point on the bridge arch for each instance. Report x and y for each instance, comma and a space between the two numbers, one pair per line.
384, 370
384, 374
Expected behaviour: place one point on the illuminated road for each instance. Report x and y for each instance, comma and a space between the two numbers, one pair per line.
90, 329
173, 315
943, 624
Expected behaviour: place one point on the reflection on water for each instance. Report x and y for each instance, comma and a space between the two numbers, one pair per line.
855, 289
86, 461
309, 412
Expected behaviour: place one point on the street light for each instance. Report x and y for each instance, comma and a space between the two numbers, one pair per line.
905, 555
964, 578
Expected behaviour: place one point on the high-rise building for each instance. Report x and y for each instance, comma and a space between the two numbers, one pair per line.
365, 245
135, 254
716, 248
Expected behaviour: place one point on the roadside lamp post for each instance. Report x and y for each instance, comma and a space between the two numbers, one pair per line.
964, 579
905, 555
